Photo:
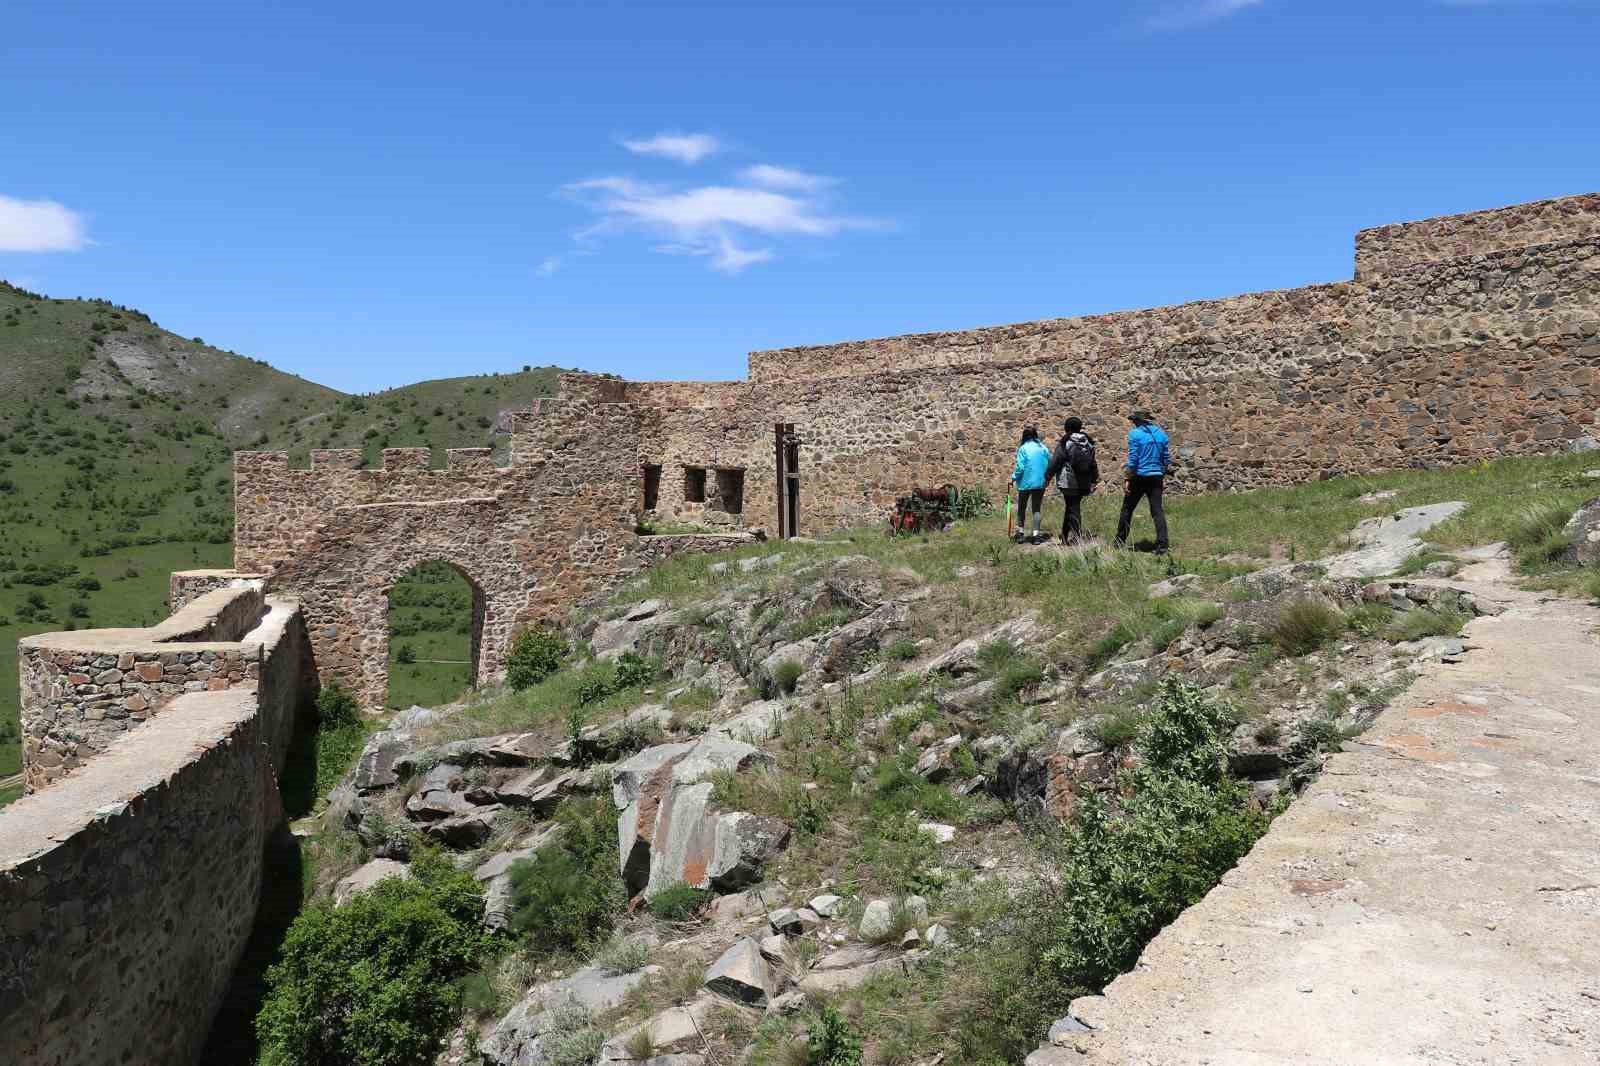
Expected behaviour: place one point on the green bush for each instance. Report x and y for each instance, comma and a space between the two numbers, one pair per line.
1124, 873
786, 675
595, 683
405, 655
535, 654
565, 897
901, 650
1538, 535
1304, 626
634, 671
832, 1042
338, 738
678, 902
374, 983
1415, 625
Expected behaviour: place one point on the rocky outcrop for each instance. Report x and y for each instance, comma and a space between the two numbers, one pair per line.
671, 832
1583, 530
520, 1038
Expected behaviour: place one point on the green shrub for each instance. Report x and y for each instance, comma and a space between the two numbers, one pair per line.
337, 740
595, 683
1538, 535
535, 654
822, 621
832, 1042
902, 650
1125, 874
634, 671
1304, 626
786, 675
1117, 727
971, 503
1369, 620
1020, 675
565, 896
1591, 585
678, 902
996, 655
1116, 638
1415, 625
374, 983
405, 655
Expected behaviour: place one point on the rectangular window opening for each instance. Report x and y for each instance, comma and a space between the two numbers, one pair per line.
652, 486
730, 490
694, 484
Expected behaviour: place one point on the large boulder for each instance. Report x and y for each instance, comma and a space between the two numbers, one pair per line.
1584, 530
519, 1038
671, 832
438, 796
741, 973
366, 876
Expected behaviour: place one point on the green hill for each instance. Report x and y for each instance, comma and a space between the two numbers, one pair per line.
116, 439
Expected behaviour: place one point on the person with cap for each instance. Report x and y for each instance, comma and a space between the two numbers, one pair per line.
1146, 470
1033, 459
1075, 472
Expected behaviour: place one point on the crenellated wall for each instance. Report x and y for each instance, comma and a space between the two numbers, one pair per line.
1460, 339
531, 538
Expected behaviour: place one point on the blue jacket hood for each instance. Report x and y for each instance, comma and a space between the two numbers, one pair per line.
1033, 459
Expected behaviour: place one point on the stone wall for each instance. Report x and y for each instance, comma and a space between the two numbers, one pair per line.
129, 889
1465, 360
531, 538
1462, 339
83, 691
1404, 245
186, 586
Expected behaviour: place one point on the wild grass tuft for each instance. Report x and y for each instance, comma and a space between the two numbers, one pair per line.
1304, 626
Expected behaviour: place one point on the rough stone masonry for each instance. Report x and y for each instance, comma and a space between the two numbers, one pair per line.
1459, 339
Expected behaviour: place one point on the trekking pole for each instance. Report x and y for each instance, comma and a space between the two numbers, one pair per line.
1011, 516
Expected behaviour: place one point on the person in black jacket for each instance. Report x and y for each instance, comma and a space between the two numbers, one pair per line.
1076, 473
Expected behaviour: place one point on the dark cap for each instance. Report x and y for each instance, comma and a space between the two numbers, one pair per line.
1140, 415
1073, 424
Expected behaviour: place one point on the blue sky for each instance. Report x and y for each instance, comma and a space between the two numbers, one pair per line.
373, 194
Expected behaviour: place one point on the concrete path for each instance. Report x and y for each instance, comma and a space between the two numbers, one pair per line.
1433, 898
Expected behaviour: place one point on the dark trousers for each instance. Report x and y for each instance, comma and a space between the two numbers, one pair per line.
1072, 521
1139, 488
1024, 498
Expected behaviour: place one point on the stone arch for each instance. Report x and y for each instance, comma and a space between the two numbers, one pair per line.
344, 574
479, 610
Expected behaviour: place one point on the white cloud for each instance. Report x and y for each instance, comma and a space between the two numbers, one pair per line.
785, 178
39, 226
1189, 14
548, 266
714, 222
683, 147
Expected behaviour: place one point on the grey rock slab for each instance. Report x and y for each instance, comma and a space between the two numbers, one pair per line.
376, 768
1024, 631
917, 907
755, 722
774, 948
465, 830
1386, 542
1583, 529
936, 935
741, 973
940, 832
934, 764
516, 1039
366, 876
826, 905
1173, 586
876, 920
969, 698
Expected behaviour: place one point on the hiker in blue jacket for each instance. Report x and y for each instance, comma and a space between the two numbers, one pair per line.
1146, 470
1033, 459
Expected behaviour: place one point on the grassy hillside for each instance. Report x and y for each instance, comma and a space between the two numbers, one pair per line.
116, 439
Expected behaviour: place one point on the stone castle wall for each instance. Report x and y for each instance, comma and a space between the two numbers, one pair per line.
531, 538
83, 691
1461, 339
129, 889
1389, 249
1471, 359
